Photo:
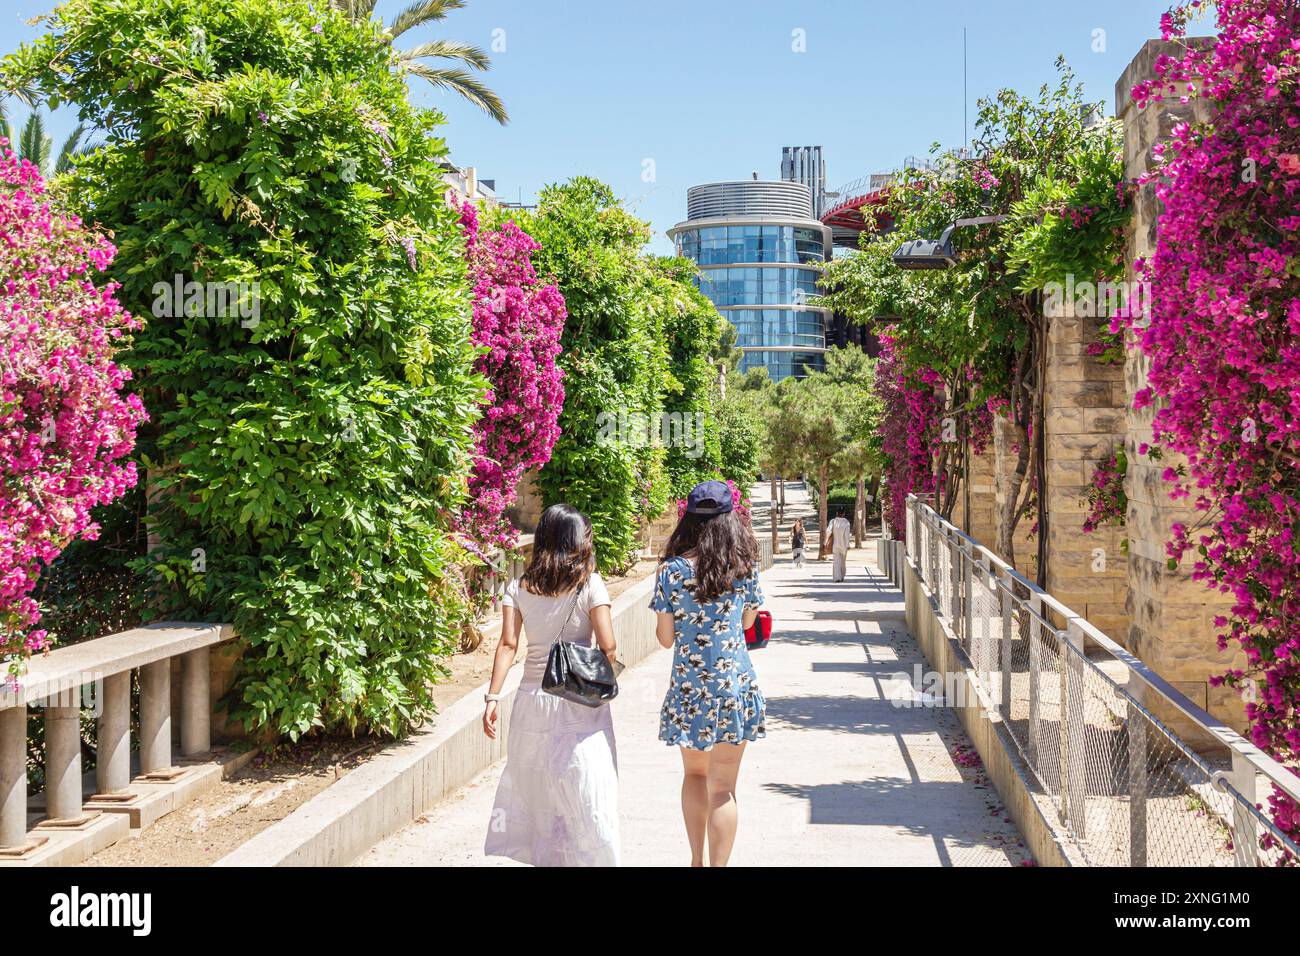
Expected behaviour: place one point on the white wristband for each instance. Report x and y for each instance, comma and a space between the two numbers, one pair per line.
491, 698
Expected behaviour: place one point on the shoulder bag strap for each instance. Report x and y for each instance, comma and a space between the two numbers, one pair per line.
573, 606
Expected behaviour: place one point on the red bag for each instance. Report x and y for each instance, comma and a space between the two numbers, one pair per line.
760, 632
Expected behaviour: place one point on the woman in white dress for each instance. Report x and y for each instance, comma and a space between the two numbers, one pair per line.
557, 803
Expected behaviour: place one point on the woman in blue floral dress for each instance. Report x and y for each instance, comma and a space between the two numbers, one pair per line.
706, 595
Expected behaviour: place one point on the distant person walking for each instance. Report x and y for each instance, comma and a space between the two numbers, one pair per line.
839, 532
707, 593
797, 536
557, 803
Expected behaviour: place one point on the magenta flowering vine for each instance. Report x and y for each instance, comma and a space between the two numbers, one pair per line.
911, 412
1224, 366
517, 321
1106, 500
65, 425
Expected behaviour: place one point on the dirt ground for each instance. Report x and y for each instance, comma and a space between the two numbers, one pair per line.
268, 789
274, 785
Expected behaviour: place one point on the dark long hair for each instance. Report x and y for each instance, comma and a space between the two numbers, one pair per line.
562, 555
724, 551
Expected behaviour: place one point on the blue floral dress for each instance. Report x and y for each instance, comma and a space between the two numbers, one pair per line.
714, 695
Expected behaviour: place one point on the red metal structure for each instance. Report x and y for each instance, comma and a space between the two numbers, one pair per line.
845, 213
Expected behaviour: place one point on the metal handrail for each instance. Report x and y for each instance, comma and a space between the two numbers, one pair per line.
1283, 777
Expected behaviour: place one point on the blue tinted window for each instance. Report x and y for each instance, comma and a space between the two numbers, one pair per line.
773, 328
727, 245
754, 285
808, 244
781, 365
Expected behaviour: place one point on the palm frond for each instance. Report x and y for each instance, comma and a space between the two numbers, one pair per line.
34, 145
6, 130
24, 93
358, 11
421, 12
450, 50
72, 148
464, 83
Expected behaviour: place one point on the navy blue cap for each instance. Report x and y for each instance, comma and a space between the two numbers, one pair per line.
709, 498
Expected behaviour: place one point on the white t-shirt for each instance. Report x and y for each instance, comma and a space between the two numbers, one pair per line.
840, 529
545, 616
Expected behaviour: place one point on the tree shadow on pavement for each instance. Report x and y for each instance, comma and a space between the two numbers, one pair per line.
942, 811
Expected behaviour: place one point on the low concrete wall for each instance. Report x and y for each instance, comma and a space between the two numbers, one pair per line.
1011, 777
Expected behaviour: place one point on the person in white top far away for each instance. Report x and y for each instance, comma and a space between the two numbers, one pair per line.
839, 530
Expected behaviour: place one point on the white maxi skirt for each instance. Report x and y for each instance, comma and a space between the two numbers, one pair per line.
557, 802
839, 565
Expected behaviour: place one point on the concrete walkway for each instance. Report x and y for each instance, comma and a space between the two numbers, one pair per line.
854, 770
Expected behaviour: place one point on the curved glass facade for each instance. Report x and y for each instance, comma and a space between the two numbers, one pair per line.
757, 246
781, 365
778, 328
755, 285
725, 245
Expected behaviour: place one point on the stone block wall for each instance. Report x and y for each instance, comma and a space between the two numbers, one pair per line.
1172, 617
528, 507
982, 478
1084, 424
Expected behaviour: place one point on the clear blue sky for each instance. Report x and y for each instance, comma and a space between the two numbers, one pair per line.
712, 89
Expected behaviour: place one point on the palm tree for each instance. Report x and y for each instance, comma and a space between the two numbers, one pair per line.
35, 146
439, 75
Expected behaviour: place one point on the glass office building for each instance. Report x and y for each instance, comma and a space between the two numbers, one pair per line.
756, 244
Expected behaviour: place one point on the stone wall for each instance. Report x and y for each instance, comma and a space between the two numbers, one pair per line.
983, 505
528, 507
1084, 424
1172, 626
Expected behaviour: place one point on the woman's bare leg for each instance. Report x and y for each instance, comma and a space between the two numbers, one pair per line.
724, 768
695, 800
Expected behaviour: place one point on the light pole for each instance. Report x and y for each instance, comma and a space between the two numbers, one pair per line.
925, 254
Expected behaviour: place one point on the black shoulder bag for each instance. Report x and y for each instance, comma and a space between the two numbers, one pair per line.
576, 672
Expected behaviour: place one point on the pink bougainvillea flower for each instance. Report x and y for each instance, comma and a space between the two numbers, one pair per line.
65, 424
517, 321
1220, 340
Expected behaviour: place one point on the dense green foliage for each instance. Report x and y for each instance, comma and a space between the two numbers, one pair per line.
615, 360
1073, 216
692, 327
826, 425
308, 440
976, 330
740, 439
638, 427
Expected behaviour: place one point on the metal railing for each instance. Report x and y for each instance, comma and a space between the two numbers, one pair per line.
1082, 712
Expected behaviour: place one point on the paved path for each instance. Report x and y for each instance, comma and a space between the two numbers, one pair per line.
845, 776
